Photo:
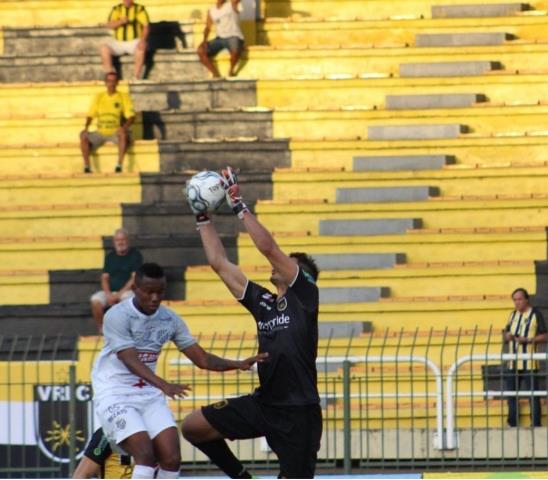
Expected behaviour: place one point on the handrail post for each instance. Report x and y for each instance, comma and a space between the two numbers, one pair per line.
72, 419
451, 443
347, 432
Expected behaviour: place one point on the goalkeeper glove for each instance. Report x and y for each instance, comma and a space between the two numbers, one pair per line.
232, 192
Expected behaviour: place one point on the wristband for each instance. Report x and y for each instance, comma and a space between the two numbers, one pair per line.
202, 219
239, 209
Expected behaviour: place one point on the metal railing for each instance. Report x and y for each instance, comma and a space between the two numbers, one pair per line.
382, 397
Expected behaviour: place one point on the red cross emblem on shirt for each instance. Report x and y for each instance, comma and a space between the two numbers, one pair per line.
140, 384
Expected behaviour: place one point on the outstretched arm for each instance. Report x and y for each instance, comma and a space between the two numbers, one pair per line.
208, 361
130, 358
229, 273
262, 238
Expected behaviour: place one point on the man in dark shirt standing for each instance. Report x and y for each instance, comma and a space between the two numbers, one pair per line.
117, 277
285, 408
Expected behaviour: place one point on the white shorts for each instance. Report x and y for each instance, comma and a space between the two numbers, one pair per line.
123, 416
101, 297
119, 47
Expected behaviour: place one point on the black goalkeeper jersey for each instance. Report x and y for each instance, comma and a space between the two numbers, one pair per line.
287, 328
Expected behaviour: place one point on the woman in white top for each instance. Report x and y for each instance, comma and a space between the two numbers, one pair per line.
226, 18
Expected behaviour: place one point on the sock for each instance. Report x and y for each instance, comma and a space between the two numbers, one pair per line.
166, 474
142, 471
222, 456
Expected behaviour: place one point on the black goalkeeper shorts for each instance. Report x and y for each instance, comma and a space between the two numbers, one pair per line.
293, 433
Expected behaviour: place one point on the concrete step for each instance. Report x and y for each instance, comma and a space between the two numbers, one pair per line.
478, 10
471, 151
329, 295
167, 187
441, 213
184, 126
452, 182
38, 98
378, 226
270, 63
343, 329
385, 194
357, 261
65, 189
247, 155
448, 69
415, 132
386, 32
427, 101
170, 218
79, 285
193, 95
86, 40
401, 162
334, 93
67, 158
163, 66
70, 319
461, 39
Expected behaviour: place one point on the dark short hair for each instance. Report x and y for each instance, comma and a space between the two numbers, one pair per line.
522, 290
307, 263
149, 270
109, 74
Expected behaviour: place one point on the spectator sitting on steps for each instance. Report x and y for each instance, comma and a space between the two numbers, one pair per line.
110, 108
226, 18
130, 23
117, 277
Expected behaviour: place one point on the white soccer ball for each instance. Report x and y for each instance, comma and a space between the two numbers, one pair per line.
205, 192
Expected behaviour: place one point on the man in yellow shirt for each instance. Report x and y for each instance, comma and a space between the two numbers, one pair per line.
130, 23
110, 108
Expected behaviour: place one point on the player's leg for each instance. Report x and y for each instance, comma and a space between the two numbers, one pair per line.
139, 446
122, 421
162, 429
295, 438
207, 428
167, 451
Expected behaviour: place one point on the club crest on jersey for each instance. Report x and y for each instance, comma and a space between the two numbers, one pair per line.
52, 421
281, 304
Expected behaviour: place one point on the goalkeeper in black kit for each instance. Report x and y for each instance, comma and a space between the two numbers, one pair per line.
286, 407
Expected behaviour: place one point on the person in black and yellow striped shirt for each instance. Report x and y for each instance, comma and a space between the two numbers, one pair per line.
130, 24
525, 329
